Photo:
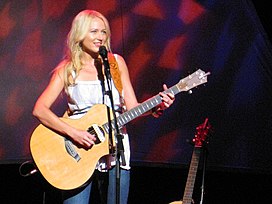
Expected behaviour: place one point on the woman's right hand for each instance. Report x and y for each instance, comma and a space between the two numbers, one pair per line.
83, 138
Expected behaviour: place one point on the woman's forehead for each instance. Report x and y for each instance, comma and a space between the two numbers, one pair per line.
97, 23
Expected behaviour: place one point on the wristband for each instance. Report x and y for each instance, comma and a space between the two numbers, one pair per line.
156, 112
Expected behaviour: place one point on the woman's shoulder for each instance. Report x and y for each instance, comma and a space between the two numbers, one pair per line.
120, 60
61, 66
59, 70
118, 56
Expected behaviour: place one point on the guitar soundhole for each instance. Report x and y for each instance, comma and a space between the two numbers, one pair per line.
98, 132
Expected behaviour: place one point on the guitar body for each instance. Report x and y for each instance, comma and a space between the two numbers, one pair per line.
52, 159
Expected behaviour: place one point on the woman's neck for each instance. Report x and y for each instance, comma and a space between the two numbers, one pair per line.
89, 59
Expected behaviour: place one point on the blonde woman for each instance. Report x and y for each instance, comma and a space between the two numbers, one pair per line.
80, 76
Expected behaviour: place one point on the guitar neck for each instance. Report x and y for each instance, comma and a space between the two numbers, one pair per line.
189, 188
185, 84
142, 108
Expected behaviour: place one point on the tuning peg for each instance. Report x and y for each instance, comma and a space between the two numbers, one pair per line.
190, 92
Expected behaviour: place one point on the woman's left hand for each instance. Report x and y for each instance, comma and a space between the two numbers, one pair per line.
167, 99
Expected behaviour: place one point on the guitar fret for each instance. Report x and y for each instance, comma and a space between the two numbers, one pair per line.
135, 111
123, 119
147, 106
129, 117
171, 90
106, 127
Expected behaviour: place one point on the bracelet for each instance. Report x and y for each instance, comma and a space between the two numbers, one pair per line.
156, 112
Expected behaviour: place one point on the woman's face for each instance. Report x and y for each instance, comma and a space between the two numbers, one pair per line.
96, 36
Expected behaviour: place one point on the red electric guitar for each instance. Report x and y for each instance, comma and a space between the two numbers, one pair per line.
202, 133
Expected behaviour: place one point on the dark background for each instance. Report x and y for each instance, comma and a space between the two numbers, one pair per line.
263, 13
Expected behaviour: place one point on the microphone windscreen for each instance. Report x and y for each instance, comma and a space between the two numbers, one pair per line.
103, 51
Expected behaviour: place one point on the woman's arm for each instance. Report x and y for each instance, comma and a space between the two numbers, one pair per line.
43, 112
129, 94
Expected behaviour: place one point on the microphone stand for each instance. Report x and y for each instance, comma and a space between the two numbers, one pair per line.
118, 136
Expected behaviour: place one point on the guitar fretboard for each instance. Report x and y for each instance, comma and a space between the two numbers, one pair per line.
187, 83
189, 188
141, 109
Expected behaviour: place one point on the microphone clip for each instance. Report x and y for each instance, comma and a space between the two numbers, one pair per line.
104, 54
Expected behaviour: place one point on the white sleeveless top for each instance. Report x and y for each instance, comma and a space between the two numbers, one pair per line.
81, 97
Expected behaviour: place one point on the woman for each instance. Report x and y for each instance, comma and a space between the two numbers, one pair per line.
80, 75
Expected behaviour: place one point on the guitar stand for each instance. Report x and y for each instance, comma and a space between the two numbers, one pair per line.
205, 156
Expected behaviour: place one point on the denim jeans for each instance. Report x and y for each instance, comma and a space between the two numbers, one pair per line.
124, 186
82, 195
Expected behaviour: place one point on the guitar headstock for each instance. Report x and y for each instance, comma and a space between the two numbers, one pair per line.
193, 80
202, 133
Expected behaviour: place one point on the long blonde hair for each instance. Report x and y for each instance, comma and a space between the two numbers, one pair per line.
79, 29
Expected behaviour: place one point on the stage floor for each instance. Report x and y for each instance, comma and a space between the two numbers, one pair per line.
158, 185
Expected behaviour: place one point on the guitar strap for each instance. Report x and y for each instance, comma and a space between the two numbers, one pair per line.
115, 73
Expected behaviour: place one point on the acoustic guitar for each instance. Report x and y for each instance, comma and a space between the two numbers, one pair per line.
65, 165
201, 136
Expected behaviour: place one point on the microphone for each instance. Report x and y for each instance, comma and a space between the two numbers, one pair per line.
104, 54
